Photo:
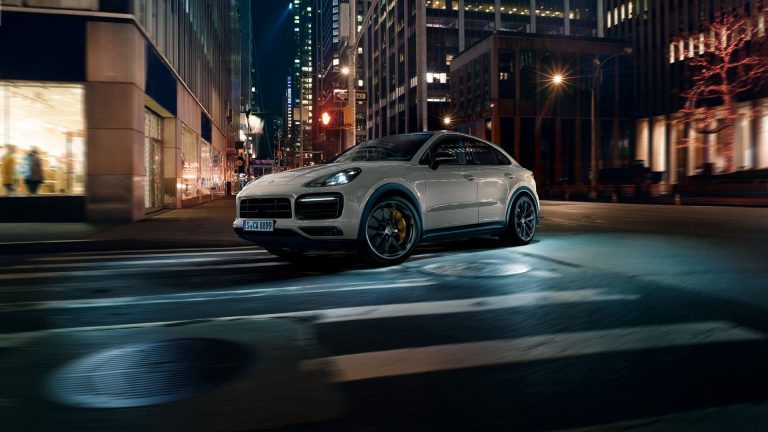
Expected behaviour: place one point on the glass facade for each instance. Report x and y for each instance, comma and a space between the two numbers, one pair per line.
153, 161
42, 128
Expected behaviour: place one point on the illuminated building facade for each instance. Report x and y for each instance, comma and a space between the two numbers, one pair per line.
126, 105
410, 45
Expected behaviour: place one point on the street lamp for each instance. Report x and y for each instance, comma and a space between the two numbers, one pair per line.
345, 70
593, 154
447, 120
558, 79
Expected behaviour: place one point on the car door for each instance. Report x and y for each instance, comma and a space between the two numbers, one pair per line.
492, 174
450, 193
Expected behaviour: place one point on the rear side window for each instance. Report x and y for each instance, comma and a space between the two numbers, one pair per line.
480, 153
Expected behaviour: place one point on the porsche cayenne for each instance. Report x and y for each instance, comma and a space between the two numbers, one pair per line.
384, 196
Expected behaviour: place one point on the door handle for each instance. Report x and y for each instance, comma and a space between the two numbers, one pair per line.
469, 177
509, 175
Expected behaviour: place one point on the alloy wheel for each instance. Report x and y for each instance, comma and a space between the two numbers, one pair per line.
524, 219
391, 230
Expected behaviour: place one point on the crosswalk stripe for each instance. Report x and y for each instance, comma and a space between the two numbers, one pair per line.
321, 316
369, 365
138, 255
129, 270
477, 304
132, 262
211, 295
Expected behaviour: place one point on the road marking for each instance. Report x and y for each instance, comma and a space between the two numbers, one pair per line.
355, 367
127, 251
101, 257
208, 296
322, 316
476, 304
112, 272
131, 262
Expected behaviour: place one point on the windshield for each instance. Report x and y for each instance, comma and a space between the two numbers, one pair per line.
390, 148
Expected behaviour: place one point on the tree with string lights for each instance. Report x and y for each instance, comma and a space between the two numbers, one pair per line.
722, 69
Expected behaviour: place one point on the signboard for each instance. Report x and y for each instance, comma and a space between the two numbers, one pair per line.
360, 95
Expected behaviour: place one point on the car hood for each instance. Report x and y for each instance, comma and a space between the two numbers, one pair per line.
297, 175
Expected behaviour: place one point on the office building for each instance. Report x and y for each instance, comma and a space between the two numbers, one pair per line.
666, 35
129, 104
532, 95
301, 83
411, 44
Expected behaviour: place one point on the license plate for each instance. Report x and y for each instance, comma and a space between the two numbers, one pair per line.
258, 225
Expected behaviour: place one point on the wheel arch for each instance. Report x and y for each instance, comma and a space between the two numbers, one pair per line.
391, 189
522, 190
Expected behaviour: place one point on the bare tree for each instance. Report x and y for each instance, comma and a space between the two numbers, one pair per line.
722, 69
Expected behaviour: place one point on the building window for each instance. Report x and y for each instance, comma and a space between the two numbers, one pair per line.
42, 125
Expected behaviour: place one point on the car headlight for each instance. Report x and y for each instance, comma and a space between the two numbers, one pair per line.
336, 179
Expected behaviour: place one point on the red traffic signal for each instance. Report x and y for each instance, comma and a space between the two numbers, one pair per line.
325, 118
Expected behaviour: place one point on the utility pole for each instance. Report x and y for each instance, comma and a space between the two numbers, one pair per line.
350, 124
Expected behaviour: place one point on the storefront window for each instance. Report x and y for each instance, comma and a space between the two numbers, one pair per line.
191, 164
42, 135
153, 150
206, 170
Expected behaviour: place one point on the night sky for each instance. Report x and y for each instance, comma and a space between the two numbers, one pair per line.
273, 48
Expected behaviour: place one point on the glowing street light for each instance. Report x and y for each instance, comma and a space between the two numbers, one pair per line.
447, 120
345, 70
557, 79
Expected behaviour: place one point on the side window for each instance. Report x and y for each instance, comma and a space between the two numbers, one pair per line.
452, 145
503, 160
480, 153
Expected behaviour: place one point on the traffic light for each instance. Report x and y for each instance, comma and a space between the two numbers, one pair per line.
332, 119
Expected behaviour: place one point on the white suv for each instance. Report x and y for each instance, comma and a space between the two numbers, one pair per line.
384, 196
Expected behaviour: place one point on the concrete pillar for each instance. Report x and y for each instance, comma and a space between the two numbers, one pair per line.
114, 98
497, 10
566, 17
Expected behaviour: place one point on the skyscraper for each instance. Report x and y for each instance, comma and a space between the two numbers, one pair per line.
302, 72
411, 43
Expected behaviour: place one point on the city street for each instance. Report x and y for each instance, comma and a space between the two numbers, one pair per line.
616, 317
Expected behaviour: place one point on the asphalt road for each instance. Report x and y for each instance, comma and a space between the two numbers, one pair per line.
616, 317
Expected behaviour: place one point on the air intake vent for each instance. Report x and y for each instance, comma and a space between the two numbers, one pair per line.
265, 208
319, 206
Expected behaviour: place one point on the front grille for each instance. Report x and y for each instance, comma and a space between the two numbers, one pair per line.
265, 208
314, 207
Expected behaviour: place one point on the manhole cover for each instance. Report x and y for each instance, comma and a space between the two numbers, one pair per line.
480, 268
147, 373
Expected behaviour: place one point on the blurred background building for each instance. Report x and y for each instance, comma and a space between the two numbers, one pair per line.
667, 36
129, 103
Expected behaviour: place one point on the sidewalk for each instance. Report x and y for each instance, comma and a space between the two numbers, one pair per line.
206, 225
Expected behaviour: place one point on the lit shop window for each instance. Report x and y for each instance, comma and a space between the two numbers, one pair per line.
190, 153
42, 138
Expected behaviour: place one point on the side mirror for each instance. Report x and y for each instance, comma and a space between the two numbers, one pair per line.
441, 158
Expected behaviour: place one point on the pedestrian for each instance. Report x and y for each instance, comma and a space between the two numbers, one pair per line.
34, 174
8, 169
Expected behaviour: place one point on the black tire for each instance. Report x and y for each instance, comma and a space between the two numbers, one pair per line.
521, 225
389, 231
286, 254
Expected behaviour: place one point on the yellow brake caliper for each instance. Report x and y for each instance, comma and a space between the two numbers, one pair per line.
400, 222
